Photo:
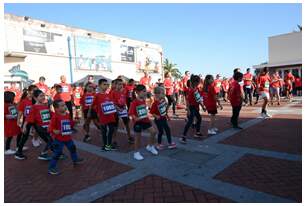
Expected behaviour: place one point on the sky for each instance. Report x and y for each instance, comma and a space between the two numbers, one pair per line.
201, 38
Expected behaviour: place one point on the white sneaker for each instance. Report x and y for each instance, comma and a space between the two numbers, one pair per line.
263, 115
152, 149
268, 115
35, 143
9, 152
138, 156
215, 129
211, 132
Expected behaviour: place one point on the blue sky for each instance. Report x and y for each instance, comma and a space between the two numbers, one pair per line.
203, 38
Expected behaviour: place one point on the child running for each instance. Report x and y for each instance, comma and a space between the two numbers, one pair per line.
39, 117
139, 113
106, 110
275, 86
193, 101
263, 84
60, 128
236, 97
11, 128
159, 112
210, 101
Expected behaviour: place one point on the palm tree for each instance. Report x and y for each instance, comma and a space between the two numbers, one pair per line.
172, 69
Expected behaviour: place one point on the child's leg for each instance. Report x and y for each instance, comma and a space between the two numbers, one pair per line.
18, 140
168, 131
152, 132
103, 133
212, 121
57, 151
72, 149
8, 143
24, 138
86, 125
199, 120
160, 130
44, 135
190, 121
126, 122
137, 141
264, 105
111, 129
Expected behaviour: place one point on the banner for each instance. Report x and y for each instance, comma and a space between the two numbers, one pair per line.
92, 54
127, 53
148, 60
44, 42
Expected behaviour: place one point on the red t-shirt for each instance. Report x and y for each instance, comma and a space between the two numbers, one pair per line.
40, 115
146, 82
25, 106
225, 85
289, 78
62, 123
44, 88
168, 86
234, 94
119, 97
17, 93
67, 92
105, 108
76, 95
11, 128
185, 79
275, 82
176, 87
159, 108
138, 108
194, 97
129, 91
210, 98
298, 82
217, 85
87, 100
247, 79
263, 82
58, 96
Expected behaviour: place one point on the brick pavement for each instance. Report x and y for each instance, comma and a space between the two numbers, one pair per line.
155, 189
270, 175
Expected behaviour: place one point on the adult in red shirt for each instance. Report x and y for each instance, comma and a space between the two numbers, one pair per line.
42, 86
13, 88
106, 110
39, 117
77, 92
184, 81
289, 79
145, 81
225, 87
66, 94
130, 93
275, 86
247, 86
298, 85
217, 85
235, 94
263, 85
168, 84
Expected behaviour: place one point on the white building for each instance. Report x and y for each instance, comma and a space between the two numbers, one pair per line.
285, 53
40, 48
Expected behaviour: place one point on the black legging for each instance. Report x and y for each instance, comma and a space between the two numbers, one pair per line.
172, 101
9, 140
194, 112
235, 115
248, 94
107, 135
69, 107
162, 125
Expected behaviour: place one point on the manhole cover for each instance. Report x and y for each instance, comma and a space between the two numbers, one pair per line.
188, 156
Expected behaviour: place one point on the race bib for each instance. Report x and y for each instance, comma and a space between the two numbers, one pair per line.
45, 115
248, 86
65, 89
88, 100
142, 111
197, 96
218, 84
13, 111
78, 95
162, 108
123, 112
108, 107
66, 127
267, 84
130, 94
27, 110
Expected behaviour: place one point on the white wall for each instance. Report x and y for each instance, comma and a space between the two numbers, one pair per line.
285, 48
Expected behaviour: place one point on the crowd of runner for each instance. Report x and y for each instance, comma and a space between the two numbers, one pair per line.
51, 114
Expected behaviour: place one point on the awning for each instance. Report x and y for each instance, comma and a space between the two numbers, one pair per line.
278, 64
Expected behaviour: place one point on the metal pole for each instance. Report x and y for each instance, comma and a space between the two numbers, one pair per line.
70, 59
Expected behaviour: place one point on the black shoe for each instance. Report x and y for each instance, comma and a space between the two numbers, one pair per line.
131, 140
45, 157
237, 127
115, 144
183, 140
198, 134
78, 161
114, 148
53, 171
20, 156
87, 138
103, 148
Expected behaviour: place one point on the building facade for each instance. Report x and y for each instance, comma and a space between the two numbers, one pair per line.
38, 48
285, 53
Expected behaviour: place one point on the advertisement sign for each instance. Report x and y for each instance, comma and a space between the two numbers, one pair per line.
44, 42
92, 54
148, 60
127, 53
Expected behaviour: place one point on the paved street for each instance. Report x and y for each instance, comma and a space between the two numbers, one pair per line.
261, 163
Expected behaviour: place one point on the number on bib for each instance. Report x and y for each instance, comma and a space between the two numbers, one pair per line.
27, 110
66, 127
123, 112
65, 89
88, 100
197, 97
267, 84
142, 111
108, 107
162, 108
13, 110
45, 115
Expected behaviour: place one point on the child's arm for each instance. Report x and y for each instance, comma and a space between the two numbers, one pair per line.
156, 116
19, 118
